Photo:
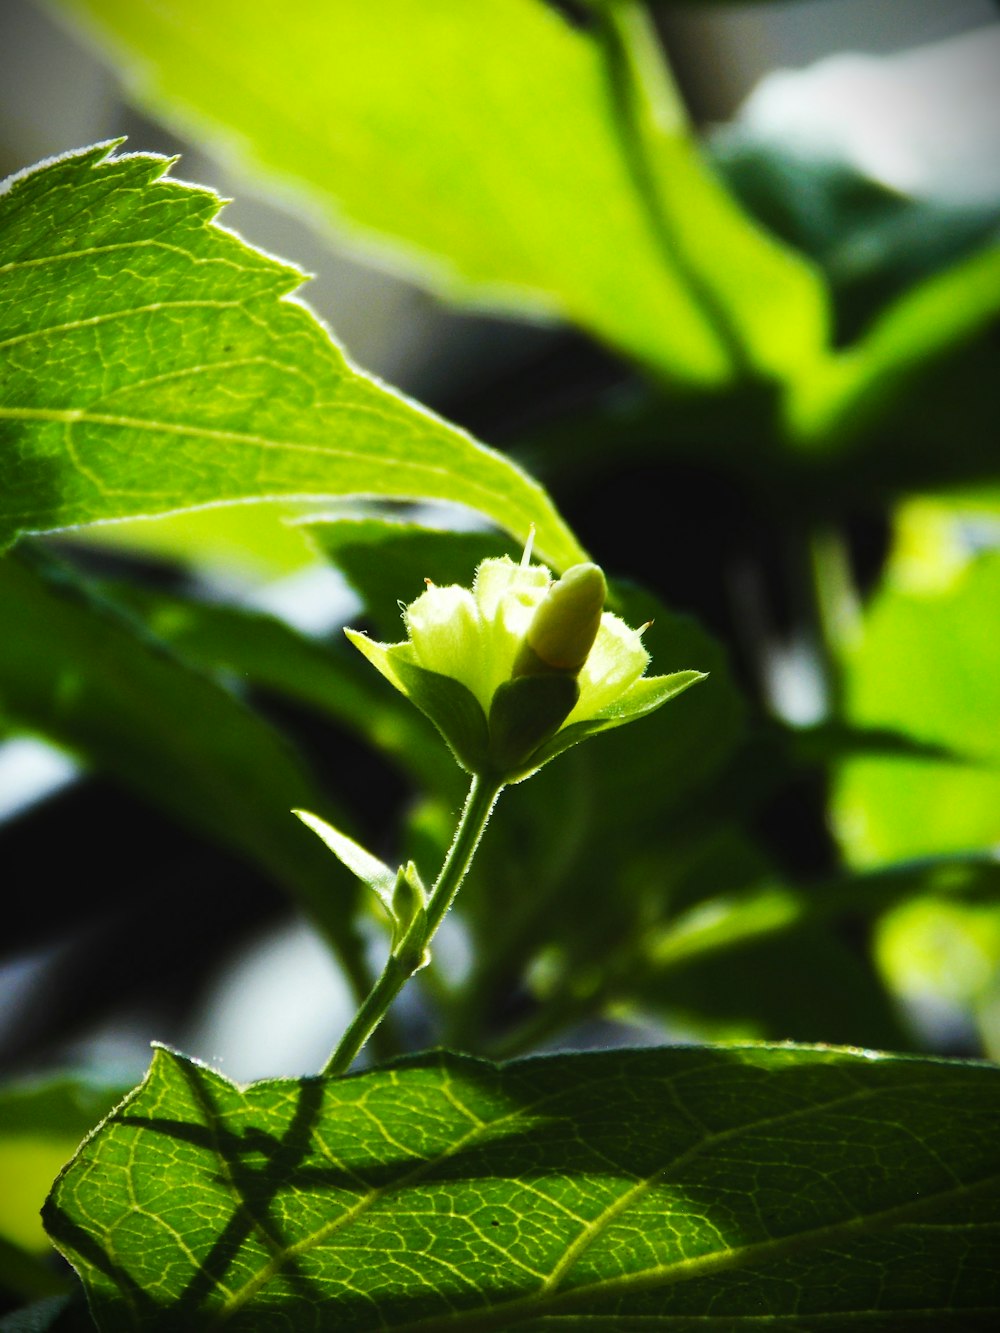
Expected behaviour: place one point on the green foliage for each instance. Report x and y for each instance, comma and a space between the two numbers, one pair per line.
446, 1193
892, 808
84, 674
434, 171
419, 167
154, 362
264, 652
41, 1124
797, 343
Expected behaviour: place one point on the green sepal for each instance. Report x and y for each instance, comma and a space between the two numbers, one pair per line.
369, 869
525, 713
452, 707
645, 696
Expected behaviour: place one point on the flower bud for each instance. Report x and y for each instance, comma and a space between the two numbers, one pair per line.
518, 668
565, 624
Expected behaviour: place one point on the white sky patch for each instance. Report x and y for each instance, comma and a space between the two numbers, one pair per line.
30, 771
276, 1010
315, 601
926, 121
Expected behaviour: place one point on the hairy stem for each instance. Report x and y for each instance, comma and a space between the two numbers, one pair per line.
407, 954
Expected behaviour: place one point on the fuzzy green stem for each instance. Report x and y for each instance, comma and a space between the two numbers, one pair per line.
407, 955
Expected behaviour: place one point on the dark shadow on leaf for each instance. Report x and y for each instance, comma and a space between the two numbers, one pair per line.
255, 1187
441, 1191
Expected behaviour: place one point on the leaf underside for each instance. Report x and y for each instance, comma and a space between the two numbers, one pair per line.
152, 361
812, 1186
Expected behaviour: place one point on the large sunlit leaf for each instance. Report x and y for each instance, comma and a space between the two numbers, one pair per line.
80, 672
766, 302
818, 1186
152, 362
483, 148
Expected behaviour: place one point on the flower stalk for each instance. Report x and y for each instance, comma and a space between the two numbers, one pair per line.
410, 953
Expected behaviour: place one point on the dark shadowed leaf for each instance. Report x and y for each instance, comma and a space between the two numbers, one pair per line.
84, 674
262, 651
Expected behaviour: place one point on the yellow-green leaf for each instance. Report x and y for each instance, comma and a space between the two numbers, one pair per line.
151, 361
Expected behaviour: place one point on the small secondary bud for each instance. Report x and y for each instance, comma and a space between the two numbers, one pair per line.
565, 625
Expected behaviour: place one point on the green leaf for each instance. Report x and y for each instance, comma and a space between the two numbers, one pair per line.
928, 663
823, 743
767, 303
478, 148
524, 713
369, 869
84, 674
872, 242
645, 697
263, 651
862, 384
155, 362
41, 1124
719, 947
450, 705
672, 1188
806, 984
749, 956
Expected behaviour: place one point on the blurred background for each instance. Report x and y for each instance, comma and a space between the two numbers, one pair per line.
902, 94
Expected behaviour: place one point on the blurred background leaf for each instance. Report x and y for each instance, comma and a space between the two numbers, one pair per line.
927, 663
84, 674
453, 175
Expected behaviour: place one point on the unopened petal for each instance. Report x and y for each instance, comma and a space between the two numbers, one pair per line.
500, 579
446, 631
615, 663
507, 595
